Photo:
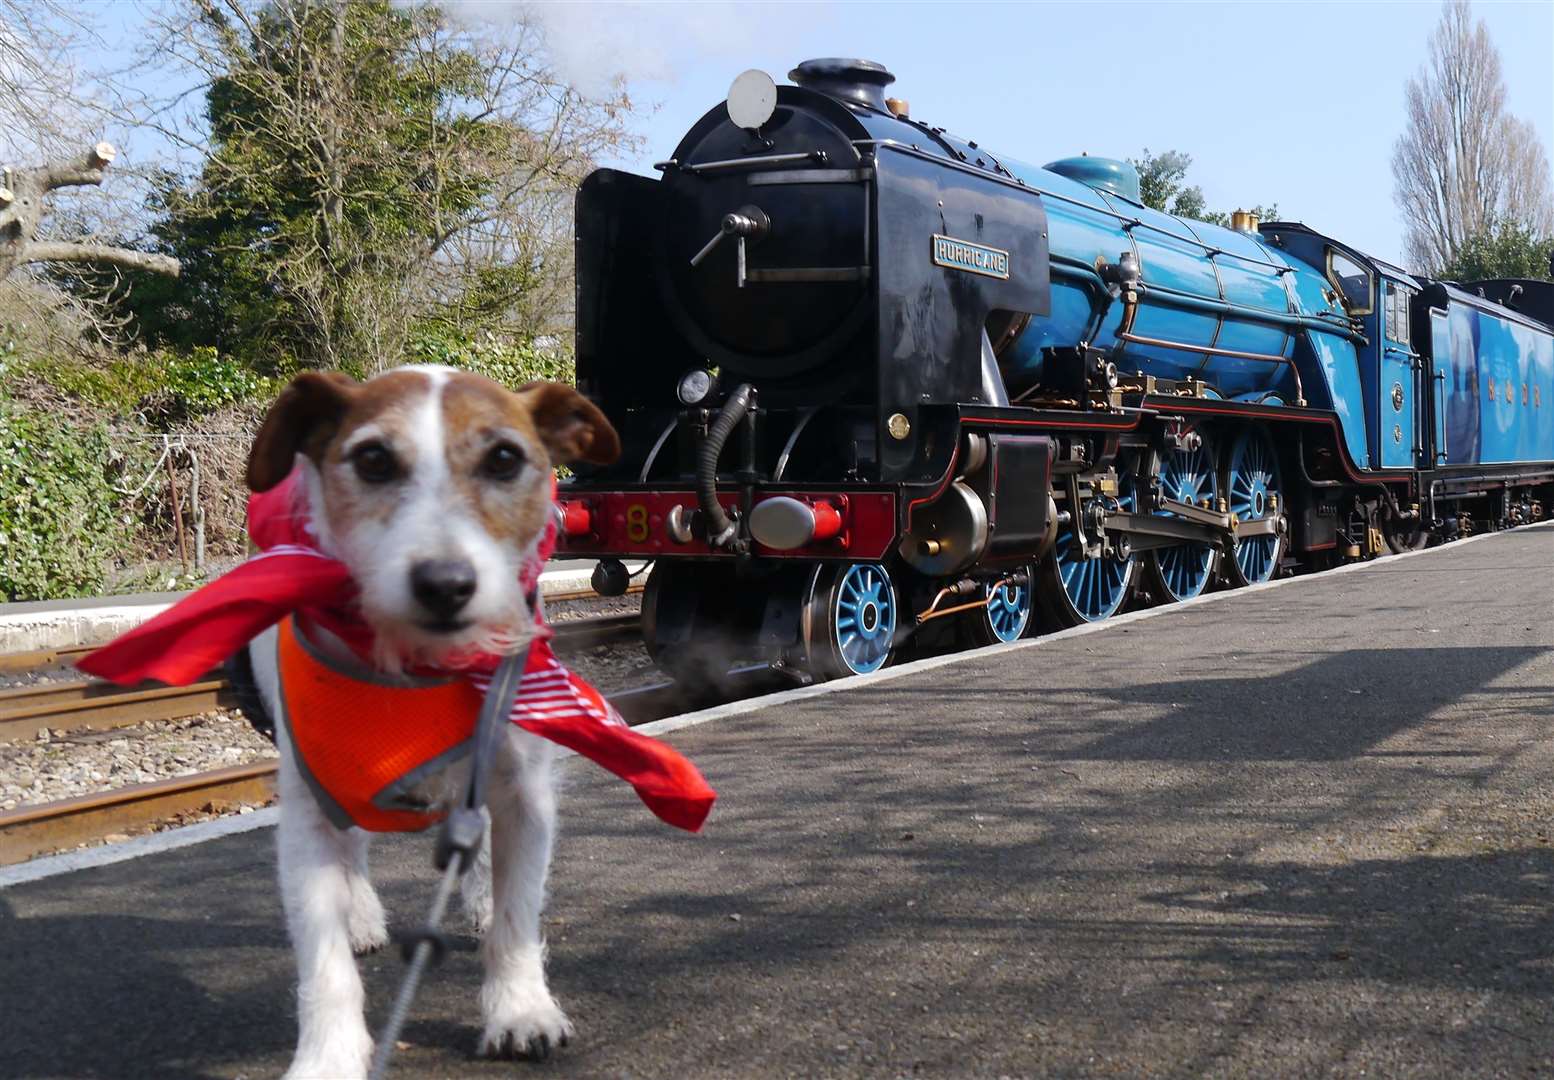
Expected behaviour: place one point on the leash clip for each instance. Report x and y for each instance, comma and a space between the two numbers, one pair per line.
411, 940
460, 835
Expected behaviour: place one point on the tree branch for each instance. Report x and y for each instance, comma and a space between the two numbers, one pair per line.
64, 251
58, 175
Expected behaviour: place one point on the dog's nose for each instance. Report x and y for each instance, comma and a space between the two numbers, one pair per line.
443, 586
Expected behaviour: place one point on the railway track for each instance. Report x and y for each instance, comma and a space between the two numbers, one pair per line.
11, 663
29, 831
98, 706
101, 706
55, 826
634, 589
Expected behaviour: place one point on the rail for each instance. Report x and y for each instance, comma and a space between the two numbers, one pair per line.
1130, 307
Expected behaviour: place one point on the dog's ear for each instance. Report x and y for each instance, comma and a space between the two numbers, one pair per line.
571, 426
307, 412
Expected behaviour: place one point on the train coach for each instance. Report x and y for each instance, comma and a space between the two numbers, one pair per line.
874, 380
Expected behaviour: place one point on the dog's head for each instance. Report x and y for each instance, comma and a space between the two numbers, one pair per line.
434, 487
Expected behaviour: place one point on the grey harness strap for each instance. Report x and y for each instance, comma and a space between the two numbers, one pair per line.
458, 843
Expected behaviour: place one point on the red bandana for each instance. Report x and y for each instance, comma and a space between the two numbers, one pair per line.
291, 575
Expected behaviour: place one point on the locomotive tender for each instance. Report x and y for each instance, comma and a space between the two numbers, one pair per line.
873, 379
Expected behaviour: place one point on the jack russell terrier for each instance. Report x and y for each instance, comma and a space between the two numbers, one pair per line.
402, 524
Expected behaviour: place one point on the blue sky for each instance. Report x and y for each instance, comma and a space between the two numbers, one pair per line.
1293, 103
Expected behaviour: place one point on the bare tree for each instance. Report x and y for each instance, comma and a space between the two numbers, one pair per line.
1463, 164
23, 204
49, 109
37, 79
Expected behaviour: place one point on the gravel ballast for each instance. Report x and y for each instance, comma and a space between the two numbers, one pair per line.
63, 765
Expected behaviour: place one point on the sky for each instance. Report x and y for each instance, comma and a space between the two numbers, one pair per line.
1297, 104
1294, 103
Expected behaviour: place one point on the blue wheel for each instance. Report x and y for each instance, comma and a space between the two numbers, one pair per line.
1184, 571
1254, 494
851, 625
1081, 590
1007, 613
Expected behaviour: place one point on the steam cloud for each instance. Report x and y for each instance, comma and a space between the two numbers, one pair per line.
593, 44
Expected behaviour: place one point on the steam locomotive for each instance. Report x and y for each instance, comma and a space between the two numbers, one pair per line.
873, 379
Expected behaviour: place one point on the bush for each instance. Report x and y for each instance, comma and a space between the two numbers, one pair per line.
164, 388
66, 529
1502, 249
510, 363
61, 521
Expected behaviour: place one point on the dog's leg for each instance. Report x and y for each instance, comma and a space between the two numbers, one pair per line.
475, 886
521, 1017
317, 863
320, 868
368, 926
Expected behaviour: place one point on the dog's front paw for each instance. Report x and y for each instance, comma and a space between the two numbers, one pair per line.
475, 892
527, 1024
344, 1060
366, 926
368, 937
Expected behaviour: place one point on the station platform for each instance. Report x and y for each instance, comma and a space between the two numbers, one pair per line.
1298, 830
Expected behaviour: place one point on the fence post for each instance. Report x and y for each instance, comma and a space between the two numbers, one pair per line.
172, 484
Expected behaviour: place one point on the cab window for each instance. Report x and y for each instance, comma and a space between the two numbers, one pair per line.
1396, 308
1354, 283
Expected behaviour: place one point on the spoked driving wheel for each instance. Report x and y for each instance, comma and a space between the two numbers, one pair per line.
1079, 590
1184, 571
1005, 614
850, 620
1255, 495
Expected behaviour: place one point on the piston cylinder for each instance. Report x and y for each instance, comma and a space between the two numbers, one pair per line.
948, 535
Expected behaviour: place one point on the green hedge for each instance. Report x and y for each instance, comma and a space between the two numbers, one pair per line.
63, 526
61, 521
163, 387
511, 364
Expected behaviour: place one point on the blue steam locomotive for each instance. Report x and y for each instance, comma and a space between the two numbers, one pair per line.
874, 380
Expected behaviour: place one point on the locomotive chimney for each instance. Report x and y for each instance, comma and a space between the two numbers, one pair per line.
862, 82
1243, 221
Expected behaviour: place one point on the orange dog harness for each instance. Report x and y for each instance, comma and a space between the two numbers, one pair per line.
364, 742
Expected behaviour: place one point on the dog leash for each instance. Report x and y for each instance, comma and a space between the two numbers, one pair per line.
458, 843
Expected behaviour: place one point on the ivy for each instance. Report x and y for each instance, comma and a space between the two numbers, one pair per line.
510, 363
61, 521
163, 388
64, 526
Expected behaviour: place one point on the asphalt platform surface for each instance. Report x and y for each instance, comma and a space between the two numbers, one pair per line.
1304, 831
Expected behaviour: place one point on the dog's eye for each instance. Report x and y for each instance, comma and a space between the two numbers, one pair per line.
502, 462
375, 463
